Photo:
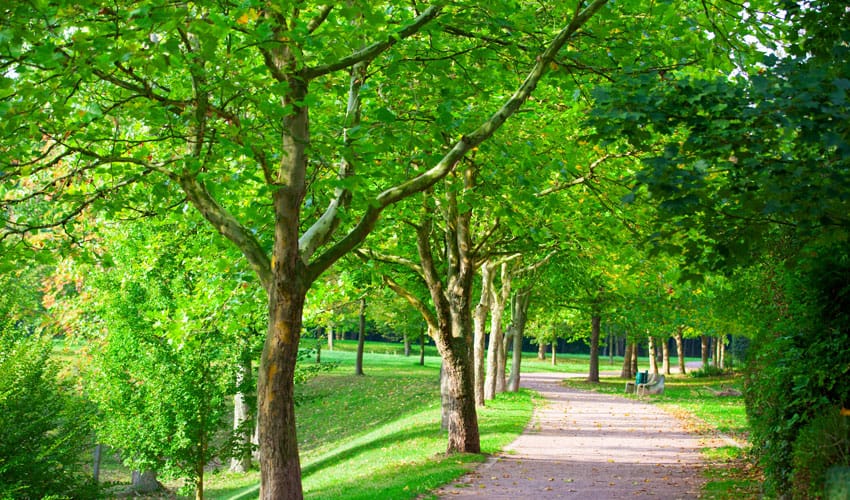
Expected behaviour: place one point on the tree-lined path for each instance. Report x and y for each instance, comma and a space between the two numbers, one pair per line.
586, 445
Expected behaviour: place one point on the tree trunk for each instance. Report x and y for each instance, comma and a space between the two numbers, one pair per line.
280, 466
593, 374
635, 352
199, 483
626, 371
446, 401
653, 362
554, 353
680, 349
98, 450
462, 418
331, 338
494, 382
704, 350
541, 351
145, 482
361, 338
721, 355
665, 356
479, 324
611, 346
519, 316
422, 348
406, 345
242, 416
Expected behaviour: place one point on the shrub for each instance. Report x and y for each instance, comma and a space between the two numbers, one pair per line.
43, 427
799, 367
822, 443
707, 371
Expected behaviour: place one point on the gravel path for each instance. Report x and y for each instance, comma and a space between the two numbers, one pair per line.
585, 445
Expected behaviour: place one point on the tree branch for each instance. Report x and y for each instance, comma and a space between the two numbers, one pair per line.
370, 52
458, 151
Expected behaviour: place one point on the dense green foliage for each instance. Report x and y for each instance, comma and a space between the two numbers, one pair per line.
800, 368
44, 426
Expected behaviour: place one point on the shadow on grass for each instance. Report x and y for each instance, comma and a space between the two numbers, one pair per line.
345, 453
401, 482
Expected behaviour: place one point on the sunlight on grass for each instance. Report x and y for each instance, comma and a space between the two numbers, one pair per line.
379, 436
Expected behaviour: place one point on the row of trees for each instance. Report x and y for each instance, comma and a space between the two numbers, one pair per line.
293, 129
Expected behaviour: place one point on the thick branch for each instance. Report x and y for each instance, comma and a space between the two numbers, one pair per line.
229, 227
414, 301
370, 52
461, 147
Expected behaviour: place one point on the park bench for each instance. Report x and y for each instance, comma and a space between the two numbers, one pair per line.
652, 387
640, 378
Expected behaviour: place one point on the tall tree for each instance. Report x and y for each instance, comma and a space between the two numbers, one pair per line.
146, 105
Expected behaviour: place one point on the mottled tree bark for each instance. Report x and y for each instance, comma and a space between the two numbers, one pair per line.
593, 373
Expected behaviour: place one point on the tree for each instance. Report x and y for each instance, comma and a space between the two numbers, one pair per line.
44, 425
153, 111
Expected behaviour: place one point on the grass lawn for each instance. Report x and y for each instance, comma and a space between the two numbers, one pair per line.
379, 436
730, 473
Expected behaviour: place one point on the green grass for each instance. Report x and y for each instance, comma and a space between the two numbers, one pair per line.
379, 436
730, 473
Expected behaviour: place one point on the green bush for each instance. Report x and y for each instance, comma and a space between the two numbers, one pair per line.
838, 483
707, 371
43, 427
822, 443
799, 367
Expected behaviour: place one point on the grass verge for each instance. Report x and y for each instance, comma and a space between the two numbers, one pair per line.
730, 473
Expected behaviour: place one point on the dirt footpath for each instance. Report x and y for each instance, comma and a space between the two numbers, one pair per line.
589, 446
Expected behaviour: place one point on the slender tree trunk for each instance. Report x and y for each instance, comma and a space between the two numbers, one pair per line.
554, 353
611, 346
704, 350
680, 349
241, 416
541, 351
519, 316
479, 325
635, 353
98, 450
406, 345
494, 382
199, 483
361, 338
721, 355
653, 362
331, 338
422, 348
626, 371
593, 374
665, 356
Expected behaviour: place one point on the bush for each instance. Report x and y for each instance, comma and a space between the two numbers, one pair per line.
707, 371
43, 427
822, 443
799, 367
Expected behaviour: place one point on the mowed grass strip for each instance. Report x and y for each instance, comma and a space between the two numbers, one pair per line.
378, 436
730, 472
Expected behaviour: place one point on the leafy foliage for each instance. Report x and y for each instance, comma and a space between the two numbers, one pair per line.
823, 443
44, 426
800, 366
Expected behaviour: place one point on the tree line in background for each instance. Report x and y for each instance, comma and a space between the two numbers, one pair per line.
185, 187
